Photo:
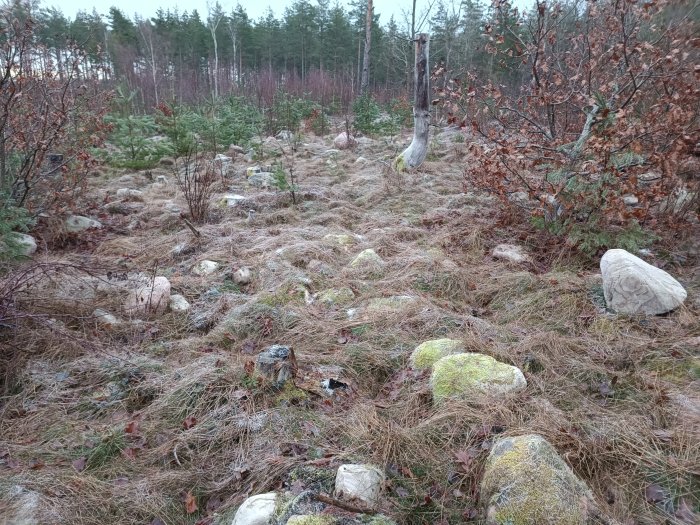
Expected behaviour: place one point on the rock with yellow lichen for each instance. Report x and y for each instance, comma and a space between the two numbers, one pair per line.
334, 296
527, 483
427, 353
472, 375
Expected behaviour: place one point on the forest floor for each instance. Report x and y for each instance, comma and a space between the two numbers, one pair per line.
160, 419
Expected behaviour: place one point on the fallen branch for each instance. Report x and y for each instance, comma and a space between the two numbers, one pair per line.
194, 230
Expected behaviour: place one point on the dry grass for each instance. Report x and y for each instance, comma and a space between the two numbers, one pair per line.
613, 394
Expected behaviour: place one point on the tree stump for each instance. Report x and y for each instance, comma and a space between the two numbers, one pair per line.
277, 365
414, 155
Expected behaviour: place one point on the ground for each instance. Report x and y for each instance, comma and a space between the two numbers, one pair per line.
161, 419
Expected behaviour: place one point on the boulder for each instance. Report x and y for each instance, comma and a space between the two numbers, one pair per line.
178, 303
344, 141
256, 510
427, 353
23, 506
223, 163
234, 150
262, 179
205, 267
361, 483
285, 135
510, 252
78, 223
150, 299
633, 286
526, 482
366, 258
473, 375
25, 244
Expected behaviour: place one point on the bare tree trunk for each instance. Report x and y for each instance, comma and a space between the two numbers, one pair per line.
414, 155
364, 84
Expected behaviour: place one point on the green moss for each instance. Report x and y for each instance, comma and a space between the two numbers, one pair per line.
336, 296
466, 375
526, 482
426, 354
291, 394
399, 164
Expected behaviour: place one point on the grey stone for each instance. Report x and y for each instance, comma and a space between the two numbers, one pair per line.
633, 286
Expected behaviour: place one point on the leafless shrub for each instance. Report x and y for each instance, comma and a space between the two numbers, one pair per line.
196, 178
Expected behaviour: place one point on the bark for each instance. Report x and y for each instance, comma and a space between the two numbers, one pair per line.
364, 84
414, 155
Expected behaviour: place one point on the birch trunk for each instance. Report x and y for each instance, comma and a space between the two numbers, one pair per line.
364, 84
414, 155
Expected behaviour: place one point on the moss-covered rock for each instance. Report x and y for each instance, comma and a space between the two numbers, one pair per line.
527, 483
427, 353
334, 296
473, 375
340, 239
367, 258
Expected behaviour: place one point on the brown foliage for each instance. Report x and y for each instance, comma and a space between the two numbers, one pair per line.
611, 93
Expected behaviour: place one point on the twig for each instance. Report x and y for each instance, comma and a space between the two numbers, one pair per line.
323, 498
194, 230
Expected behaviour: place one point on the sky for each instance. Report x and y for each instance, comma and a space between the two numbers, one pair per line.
254, 8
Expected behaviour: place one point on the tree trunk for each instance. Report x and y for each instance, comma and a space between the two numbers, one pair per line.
414, 155
364, 84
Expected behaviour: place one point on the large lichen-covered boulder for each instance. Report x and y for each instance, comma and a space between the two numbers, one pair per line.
527, 483
256, 510
633, 286
428, 353
472, 375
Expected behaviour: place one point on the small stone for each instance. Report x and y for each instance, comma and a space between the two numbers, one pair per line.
205, 267
526, 481
150, 299
473, 375
362, 483
427, 353
129, 194
285, 135
78, 223
233, 200
243, 276
633, 286
234, 150
339, 238
510, 252
630, 200
171, 207
162, 179
178, 303
344, 141
256, 510
360, 160
103, 317
367, 257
